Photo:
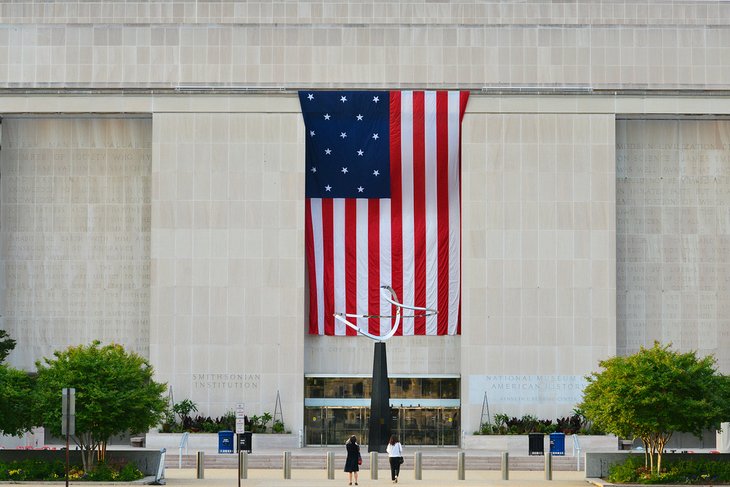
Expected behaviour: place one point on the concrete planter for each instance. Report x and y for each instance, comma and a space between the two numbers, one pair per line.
208, 442
518, 444
274, 441
599, 464
147, 460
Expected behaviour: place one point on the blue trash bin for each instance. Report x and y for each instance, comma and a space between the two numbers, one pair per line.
557, 444
225, 442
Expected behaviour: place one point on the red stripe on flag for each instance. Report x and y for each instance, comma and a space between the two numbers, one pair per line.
419, 206
329, 269
311, 271
374, 265
396, 199
351, 261
442, 198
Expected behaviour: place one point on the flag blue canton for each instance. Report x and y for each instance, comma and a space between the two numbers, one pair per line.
347, 150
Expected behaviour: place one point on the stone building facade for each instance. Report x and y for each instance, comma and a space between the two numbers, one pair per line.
152, 191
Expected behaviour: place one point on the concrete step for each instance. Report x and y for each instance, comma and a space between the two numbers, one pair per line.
430, 462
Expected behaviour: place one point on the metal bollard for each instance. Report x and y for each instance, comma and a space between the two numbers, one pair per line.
200, 465
287, 465
330, 465
461, 467
373, 465
505, 465
243, 465
418, 465
548, 466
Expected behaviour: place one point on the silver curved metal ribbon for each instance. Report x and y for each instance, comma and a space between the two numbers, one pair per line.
392, 299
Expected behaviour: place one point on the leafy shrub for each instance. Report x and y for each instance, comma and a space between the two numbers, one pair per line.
129, 473
258, 423
570, 425
626, 472
277, 427
114, 472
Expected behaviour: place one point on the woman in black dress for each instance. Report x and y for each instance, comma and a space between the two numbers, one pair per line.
353, 456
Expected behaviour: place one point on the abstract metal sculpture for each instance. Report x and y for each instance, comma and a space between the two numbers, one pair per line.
392, 299
379, 428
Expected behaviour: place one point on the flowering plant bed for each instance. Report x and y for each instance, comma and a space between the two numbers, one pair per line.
701, 470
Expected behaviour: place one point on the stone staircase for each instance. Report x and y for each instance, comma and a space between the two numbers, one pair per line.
302, 459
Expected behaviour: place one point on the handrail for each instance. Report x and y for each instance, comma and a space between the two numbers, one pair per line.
183, 444
576, 447
160, 476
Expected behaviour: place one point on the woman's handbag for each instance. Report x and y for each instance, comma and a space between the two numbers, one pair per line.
359, 459
400, 460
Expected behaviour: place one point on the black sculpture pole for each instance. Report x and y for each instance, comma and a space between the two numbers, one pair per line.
379, 402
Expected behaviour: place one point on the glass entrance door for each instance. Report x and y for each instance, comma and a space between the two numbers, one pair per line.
334, 425
426, 426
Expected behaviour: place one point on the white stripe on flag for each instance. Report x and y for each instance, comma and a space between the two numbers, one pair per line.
316, 216
431, 210
385, 265
454, 210
408, 229
338, 234
362, 262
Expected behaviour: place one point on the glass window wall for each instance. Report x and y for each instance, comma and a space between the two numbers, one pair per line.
435, 424
400, 388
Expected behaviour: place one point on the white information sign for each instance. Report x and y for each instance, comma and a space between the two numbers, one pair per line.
240, 415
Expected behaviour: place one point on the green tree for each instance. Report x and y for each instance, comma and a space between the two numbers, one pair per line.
115, 393
16, 387
7, 345
654, 393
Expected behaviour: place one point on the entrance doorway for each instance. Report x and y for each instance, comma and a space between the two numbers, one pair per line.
334, 425
426, 426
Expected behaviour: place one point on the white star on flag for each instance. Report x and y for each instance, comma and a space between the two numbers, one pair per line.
343, 99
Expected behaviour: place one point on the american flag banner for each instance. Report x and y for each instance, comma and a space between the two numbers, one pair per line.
383, 207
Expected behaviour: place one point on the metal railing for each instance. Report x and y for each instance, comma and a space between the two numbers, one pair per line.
183, 444
576, 450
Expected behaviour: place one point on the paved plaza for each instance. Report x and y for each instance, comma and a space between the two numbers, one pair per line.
431, 478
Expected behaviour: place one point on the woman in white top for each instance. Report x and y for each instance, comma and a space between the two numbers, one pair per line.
395, 456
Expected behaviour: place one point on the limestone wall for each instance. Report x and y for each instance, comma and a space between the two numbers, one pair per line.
75, 231
673, 235
228, 259
538, 258
625, 44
